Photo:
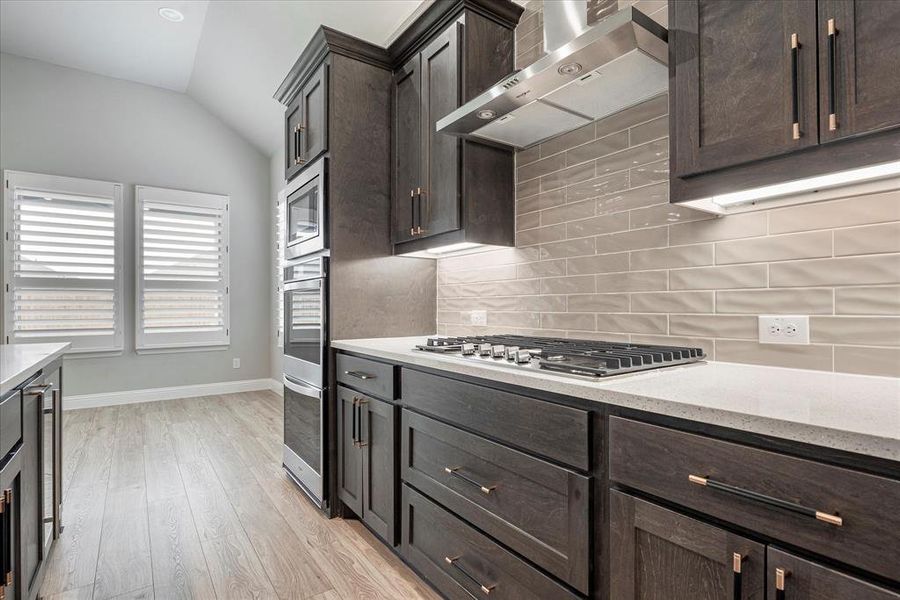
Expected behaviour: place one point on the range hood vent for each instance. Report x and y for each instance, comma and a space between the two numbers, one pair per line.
605, 68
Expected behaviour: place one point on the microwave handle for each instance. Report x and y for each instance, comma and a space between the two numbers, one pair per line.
300, 388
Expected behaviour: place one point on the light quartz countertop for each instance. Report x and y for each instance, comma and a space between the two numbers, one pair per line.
854, 413
19, 361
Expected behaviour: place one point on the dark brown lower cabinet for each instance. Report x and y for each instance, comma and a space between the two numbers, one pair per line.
367, 460
659, 554
792, 578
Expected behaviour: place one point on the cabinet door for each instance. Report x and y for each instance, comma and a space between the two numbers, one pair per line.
349, 471
859, 76
660, 554
406, 149
379, 473
32, 501
733, 84
10, 517
314, 98
293, 121
793, 578
441, 75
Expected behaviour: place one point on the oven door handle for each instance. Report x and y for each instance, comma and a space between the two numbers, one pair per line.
303, 284
302, 388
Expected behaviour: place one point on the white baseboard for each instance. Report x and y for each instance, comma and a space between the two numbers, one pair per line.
169, 393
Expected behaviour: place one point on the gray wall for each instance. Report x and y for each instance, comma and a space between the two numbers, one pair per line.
67, 122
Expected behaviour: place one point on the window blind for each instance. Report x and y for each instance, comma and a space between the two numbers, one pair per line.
279, 266
182, 269
62, 268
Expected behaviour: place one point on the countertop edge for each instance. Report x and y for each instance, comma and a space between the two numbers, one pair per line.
25, 372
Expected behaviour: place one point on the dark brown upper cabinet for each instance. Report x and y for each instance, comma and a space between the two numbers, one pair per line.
306, 124
445, 190
859, 67
744, 81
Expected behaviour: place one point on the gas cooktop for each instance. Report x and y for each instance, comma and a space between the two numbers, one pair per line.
575, 357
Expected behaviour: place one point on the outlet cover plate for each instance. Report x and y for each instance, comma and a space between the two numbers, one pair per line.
478, 317
784, 329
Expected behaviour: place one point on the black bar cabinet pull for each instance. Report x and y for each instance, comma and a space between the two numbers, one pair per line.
353, 425
762, 498
736, 561
359, 426
832, 116
420, 194
795, 92
780, 575
454, 562
359, 374
454, 472
412, 212
7, 500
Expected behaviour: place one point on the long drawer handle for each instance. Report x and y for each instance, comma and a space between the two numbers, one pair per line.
359, 428
454, 562
353, 425
780, 576
359, 374
795, 92
454, 472
38, 390
7, 499
776, 502
736, 568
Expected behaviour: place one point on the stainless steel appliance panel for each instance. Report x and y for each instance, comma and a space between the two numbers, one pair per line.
305, 230
304, 418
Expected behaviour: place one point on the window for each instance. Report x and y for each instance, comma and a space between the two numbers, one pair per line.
62, 268
182, 269
279, 265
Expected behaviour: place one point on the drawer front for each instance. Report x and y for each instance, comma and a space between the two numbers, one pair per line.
463, 563
550, 430
805, 580
784, 492
370, 376
538, 509
10, 422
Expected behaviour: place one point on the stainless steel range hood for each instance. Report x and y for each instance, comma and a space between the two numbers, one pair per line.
596, 71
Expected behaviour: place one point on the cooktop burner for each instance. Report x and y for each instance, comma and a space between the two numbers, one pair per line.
575, 357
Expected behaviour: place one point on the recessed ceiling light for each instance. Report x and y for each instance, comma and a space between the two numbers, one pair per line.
170, 14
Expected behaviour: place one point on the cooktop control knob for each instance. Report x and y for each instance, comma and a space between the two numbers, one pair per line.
484, 349
511, 352
523, 356
498, 351
468, 349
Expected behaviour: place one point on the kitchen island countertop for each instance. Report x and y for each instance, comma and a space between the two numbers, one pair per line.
19, 361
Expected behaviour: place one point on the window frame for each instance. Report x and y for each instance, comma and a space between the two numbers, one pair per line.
75, 186
187, 199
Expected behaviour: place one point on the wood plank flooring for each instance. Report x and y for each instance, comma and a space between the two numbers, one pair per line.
187, 499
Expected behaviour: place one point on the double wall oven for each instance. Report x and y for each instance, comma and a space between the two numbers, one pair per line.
305, 289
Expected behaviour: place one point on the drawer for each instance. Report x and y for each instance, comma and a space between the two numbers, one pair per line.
463, 563
804, 580
538, 509
550, 430
773, 494
370, 376
10, 422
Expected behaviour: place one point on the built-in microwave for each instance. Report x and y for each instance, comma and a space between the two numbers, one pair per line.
305, 229
305, 323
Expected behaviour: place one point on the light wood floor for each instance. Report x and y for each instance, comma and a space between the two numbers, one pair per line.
187, 499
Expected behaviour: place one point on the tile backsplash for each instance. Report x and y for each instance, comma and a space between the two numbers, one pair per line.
601, 254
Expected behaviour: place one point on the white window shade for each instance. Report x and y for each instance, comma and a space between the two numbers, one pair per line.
182, 269
62, 269
279, 235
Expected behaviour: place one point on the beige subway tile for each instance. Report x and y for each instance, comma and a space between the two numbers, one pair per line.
649, 173
603, 336
867, 361
665, 214
629, 117
814, 244
568, 176
449, 317
637, 239
598, 302
673, 302
673, 257
568, 248
777, 355
713, 278
731, 227
497, 273
529, 155
541, 201
597, 187
514, 319
569, 212
633, 198
856, 270
718, 326
504, 303
528, 221
568, 140
651, 130
576, 284
811, 301
501, 256
882, 300
527, 188
582, 321
530, 39
541, 235
633, 281
554, 303
859, 210
599, 147
707, 345
632, 323
540, 167
512, 287
633, 157
543, 268
866, 331
873, 239
600, 263
597, 225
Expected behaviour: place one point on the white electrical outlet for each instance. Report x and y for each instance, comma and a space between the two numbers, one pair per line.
478, 317
235, 363
783, 329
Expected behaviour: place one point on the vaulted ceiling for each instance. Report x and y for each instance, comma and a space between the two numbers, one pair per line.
229, 55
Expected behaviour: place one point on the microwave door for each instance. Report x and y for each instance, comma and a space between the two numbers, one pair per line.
305, 218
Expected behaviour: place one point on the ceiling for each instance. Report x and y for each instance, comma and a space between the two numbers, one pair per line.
229, 55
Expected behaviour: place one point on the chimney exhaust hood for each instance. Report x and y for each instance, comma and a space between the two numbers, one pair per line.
594, 72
